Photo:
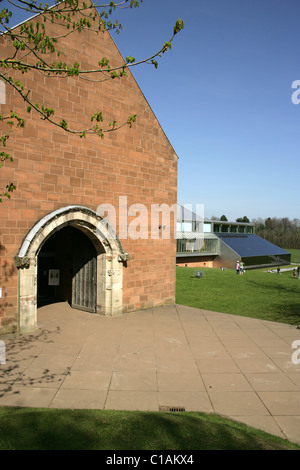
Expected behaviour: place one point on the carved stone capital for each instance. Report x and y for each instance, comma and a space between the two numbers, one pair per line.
23, 262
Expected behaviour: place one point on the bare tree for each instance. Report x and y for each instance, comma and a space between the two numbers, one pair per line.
280, 231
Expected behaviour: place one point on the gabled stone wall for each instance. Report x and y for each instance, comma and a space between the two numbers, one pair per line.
53, 169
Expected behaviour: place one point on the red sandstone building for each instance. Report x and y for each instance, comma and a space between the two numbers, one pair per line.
54, 244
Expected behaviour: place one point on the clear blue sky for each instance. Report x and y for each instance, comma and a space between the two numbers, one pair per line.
223, 97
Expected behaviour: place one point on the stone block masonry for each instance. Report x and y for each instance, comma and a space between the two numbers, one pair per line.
53, 170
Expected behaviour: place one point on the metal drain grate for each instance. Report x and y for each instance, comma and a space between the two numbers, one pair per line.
172, 408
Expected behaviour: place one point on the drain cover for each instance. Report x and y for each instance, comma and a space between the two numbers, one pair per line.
172, 408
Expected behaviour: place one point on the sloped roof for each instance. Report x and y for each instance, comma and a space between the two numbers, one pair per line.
250, 245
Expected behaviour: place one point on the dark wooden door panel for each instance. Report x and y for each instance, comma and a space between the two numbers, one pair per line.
84, 276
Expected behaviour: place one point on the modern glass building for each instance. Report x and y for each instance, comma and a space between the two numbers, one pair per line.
216, 243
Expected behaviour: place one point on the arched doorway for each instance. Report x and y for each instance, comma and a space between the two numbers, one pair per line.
94, 259
67, 270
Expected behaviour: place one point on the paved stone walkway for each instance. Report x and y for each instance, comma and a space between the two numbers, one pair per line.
172, 356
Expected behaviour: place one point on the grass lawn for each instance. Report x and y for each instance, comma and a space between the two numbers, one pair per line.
50, 429
256, 294
295, 258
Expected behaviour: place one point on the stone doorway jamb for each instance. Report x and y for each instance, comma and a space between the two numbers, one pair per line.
110, 260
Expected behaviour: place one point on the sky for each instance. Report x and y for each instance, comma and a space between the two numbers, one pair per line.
223, 96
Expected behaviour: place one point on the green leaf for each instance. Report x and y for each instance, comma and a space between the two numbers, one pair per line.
178, 26
113, 124
167, 46
131, 119
103, 62
98, 117
64, 124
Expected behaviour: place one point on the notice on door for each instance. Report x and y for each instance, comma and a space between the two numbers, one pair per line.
53, 279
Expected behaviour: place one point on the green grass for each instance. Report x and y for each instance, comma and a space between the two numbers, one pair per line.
295, 258
256, 294
50, 429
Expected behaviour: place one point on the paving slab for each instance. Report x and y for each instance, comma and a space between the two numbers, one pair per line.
226, 382
156, 359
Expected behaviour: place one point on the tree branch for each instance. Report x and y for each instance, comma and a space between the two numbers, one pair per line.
31, 41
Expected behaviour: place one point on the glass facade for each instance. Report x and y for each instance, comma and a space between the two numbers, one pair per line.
222, 241
196, 236
232, 228
197, 245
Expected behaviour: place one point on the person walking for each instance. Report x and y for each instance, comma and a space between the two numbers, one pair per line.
237, 267
298, 271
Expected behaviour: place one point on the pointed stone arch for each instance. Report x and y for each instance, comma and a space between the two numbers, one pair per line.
110, 261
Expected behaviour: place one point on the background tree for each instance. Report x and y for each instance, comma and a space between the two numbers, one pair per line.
282, 232
224, 218
33, 48
243, 219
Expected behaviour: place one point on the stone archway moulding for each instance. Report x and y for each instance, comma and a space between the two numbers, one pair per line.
110, 260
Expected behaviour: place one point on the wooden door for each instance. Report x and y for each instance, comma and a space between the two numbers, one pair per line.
84, 279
